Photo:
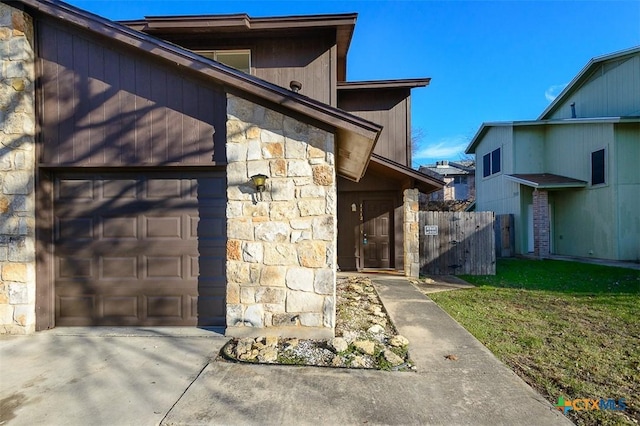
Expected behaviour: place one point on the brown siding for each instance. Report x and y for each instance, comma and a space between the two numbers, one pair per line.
278, 60
104, 106
307, 60
389, 108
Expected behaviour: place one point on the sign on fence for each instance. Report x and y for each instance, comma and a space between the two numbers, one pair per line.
457, 243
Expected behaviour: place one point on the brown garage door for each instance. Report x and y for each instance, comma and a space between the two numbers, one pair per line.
140, 249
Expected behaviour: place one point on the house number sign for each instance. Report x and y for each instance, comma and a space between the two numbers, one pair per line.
431, 230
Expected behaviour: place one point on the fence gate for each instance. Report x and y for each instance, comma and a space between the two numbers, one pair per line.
457, 243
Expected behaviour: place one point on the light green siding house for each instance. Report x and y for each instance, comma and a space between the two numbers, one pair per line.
571, 178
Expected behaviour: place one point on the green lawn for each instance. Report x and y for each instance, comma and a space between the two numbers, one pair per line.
568, 329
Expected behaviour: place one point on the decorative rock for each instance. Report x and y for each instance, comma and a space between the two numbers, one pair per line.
392, 358
376, 329
358, 362
269, 354
365, 346
338, 344
398, 341
291, 343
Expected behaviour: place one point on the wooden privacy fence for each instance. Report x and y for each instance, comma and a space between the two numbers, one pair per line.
459, 243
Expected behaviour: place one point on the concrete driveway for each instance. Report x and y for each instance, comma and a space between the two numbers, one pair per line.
150, 376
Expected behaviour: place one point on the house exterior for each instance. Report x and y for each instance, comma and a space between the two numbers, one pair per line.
127, 163
571, 178
459, 179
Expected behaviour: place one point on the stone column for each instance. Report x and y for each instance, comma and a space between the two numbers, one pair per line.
411, 229
541, 225
17, 164
281, 244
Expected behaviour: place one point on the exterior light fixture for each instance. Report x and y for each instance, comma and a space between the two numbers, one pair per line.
260, 182
295, 86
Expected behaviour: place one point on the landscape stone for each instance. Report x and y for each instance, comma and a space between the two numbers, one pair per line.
365, 346
376, 329
398, 341
339, 344
392, 358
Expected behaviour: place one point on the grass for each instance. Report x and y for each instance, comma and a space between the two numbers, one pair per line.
568, 329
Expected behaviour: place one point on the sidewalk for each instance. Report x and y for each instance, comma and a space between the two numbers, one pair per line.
149, 376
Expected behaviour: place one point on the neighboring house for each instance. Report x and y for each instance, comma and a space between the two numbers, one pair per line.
571, 178
127, 162
459, 179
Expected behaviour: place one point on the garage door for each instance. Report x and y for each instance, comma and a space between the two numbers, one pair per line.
139, 249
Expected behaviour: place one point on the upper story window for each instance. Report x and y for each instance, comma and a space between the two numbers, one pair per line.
597, 167
491, 163
459, 180
238, 59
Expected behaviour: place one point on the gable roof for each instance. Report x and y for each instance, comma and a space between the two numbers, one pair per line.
584, 75
355, 137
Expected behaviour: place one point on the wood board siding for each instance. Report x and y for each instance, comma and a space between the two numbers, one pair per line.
101, 105
389, 108
307, 60
279, 60
611, 90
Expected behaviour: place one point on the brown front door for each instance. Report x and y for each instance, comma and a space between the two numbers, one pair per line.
139, 249
377, 216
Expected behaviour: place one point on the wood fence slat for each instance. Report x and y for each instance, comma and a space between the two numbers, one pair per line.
465, 243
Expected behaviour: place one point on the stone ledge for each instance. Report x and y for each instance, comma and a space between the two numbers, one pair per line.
285, 332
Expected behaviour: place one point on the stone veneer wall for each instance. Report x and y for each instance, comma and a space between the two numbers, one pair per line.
17, 164
281, 248
411, 233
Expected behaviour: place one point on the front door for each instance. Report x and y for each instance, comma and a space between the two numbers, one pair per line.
376, 238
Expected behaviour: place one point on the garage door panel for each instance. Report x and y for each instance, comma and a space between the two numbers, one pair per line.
163, 227
140, 249
78, 228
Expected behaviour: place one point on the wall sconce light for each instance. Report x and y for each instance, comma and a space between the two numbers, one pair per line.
260, 182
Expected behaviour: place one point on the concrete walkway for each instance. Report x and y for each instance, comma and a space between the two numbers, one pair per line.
167, 376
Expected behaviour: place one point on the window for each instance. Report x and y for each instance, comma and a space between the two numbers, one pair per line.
597, 167
238, 59
491, 163
460, 180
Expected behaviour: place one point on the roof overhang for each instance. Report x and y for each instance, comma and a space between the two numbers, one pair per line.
546, 181
424, 183
384, 84
343, 24
355, 136
485, 127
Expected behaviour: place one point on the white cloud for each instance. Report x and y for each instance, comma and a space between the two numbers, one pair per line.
444, 149
552, 92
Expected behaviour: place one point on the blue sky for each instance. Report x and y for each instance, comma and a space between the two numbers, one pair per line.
489, 61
